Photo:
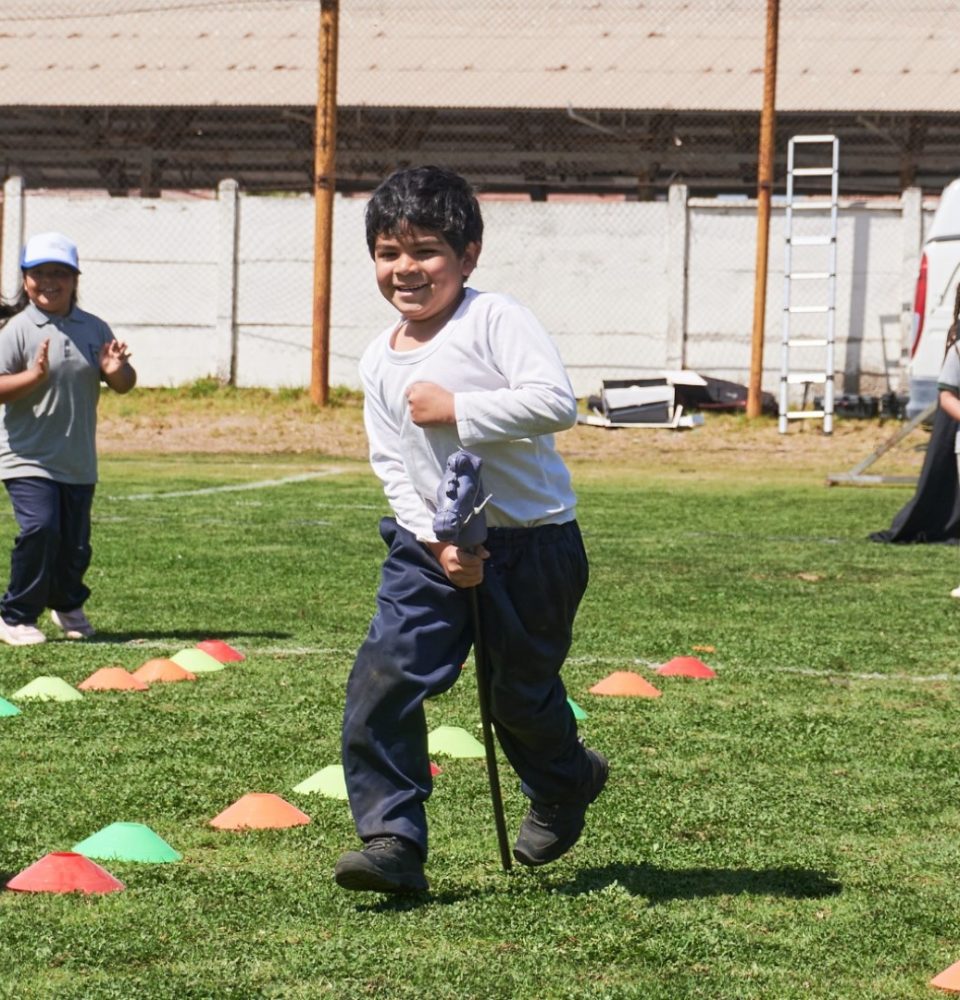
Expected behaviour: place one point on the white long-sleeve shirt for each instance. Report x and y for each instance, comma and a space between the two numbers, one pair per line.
511, 393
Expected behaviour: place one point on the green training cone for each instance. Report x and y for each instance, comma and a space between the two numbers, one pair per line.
328, 781
48, 689
197, 661
127, 842
6, 708
454, 741
578, 712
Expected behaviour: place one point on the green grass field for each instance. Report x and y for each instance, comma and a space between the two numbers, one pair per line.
788, 830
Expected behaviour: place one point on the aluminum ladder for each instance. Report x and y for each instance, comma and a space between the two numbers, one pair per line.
818, 271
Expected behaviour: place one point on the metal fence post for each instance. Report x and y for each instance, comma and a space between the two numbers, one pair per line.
12, 236
677, 245
227, 196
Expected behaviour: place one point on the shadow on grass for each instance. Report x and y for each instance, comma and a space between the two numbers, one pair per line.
662, 884
658, 885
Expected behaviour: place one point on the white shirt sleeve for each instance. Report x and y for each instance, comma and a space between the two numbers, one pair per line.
386, 460
538, 398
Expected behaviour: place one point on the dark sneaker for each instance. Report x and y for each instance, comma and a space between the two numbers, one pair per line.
549, 830
386, 864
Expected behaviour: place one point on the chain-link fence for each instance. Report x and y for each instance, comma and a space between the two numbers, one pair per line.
573, 118
566, 96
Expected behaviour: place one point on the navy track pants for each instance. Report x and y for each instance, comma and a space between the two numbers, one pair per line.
418, 640
52, 552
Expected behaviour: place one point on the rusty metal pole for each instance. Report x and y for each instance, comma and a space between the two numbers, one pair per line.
325, 176
764, 191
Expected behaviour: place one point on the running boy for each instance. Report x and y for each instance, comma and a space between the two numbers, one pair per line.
468, 369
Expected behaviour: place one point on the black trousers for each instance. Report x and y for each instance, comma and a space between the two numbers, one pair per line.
52, 552
418, 640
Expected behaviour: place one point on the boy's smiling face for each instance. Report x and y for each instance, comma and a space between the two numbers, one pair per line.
421, 275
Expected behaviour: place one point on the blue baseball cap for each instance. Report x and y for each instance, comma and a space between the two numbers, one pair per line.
49, 248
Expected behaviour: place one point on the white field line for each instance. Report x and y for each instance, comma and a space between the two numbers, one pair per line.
801, 671
245, 648
290, 651
232, 487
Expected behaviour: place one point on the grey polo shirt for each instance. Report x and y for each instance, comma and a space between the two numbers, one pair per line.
51, 432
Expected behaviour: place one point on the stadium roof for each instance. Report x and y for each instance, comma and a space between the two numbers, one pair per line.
846, 55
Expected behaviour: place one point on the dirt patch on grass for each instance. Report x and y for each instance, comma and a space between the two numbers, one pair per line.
260, 422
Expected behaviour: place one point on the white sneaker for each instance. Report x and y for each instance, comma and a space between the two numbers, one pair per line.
955, 592
75, 624
20, 635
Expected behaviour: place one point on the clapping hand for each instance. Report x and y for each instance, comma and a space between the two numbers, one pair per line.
113, 356
41, 363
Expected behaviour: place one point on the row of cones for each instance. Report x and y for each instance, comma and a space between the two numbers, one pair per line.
627, 684
206, 657
75, 870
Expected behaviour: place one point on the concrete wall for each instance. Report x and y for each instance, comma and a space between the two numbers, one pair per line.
222, 284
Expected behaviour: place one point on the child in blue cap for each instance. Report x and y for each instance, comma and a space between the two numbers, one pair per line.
53, 357
462, 369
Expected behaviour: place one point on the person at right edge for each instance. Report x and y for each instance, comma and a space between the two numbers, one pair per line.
475, 370
948, 383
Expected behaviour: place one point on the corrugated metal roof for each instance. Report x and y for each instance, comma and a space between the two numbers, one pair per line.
841, 56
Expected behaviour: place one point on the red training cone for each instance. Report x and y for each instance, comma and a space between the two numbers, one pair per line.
162, 671
64, 871
220, 651
686, 666
259, 810
112, 679
949, 979
626, 684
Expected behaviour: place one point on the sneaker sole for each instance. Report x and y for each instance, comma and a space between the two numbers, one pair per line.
22, 642
366, 880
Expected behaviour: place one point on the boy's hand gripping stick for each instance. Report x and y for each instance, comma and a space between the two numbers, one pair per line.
460, 519
460, 502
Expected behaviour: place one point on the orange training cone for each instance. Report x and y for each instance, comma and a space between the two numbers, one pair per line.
64, 871
686, 666
949, 979
626, 684
259, 811
162, 671
112, 679
220, 651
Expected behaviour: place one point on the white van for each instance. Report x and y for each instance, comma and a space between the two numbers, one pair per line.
934, 299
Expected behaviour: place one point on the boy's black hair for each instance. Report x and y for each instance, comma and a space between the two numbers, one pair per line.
427, 197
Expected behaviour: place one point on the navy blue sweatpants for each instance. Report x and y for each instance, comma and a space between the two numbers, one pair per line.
52, 552
417, 643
